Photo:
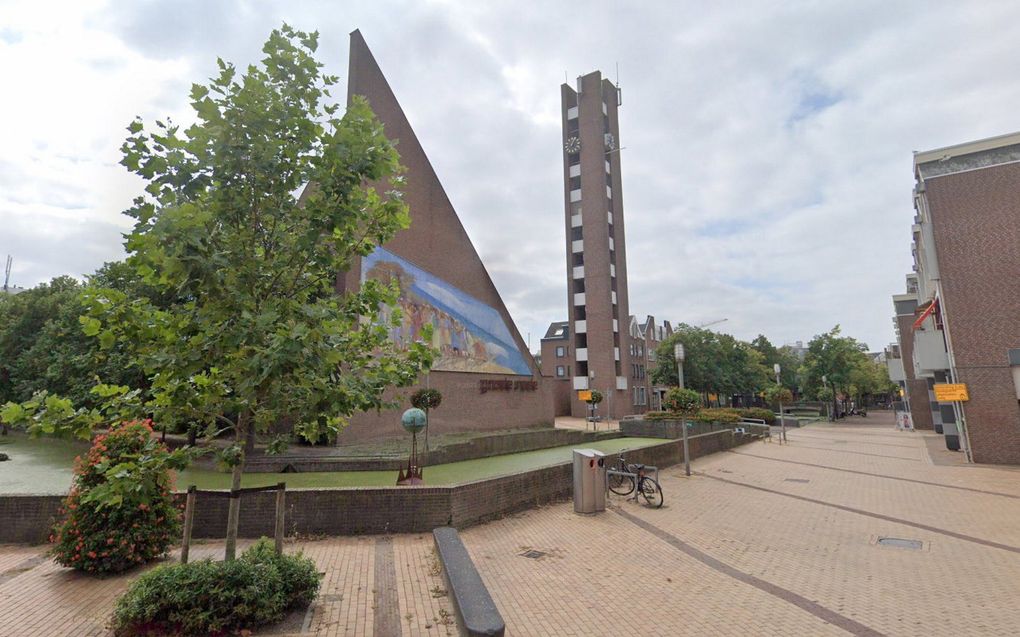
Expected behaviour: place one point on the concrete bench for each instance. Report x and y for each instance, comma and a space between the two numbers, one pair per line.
475, 609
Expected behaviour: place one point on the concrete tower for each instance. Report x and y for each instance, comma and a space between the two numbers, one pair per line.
596, 252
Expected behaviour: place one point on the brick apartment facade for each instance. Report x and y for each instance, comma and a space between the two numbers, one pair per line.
643, 339
966, 327
437, 243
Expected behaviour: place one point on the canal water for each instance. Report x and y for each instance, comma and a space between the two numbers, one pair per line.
44, 465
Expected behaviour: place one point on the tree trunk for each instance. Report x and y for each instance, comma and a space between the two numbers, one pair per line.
249, 442
234, 512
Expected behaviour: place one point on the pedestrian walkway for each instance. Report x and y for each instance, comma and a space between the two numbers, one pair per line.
773, 539
765, 539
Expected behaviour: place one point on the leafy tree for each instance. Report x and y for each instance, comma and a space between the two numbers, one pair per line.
835, 358
258, 334
713, 363
788, 361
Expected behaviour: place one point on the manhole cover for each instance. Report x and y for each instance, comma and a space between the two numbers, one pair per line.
900, 543
533, 554
800, 480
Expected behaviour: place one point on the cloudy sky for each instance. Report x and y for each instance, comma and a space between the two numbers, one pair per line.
767, 162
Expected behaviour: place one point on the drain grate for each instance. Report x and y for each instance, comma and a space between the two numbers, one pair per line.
900, 543
533, 554
799, 480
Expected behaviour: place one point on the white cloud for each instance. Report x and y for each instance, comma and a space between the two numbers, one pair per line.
767, 165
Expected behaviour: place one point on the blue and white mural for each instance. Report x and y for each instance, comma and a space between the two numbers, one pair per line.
470, 335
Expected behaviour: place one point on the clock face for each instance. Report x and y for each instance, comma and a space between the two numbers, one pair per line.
573, 145
610, 142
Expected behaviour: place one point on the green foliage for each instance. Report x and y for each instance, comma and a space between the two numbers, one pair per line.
596, 397
682, 401
120, 511
848, 371
254, 332
713, 363
299, 573
789, 362
776, 394
55, 415
721, 415
426, 399
208, 598
758, 413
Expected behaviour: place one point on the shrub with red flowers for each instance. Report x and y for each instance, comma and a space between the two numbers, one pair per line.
120, 510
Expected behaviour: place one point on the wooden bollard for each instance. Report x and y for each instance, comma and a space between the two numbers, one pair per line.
281, 501
189, 522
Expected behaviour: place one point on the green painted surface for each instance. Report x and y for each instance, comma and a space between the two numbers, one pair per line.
44, 465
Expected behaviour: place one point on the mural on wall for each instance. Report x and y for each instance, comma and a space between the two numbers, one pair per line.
470, 335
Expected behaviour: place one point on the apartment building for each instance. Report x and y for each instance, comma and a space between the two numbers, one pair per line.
959, 321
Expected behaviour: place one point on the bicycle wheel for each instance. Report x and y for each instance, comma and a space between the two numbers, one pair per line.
620, 485
651, 492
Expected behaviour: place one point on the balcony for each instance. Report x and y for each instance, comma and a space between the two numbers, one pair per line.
575, 195
609, 192
621, 383
613, 295
616, 325
610, 213
578, 271
612, 244
575, 221
896, 371
580, 327
581, 354
612, 270
577, 245
580, 382
929, 352
575, 170
572, 112
616, 353
579, 298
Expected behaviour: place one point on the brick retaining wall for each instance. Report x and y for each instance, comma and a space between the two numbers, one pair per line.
365, 510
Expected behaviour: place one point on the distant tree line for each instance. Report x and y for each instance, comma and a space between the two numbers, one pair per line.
720, 366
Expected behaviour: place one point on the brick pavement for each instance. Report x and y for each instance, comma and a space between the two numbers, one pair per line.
725, 558
766, 539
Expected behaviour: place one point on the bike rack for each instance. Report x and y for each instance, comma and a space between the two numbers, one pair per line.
633, 476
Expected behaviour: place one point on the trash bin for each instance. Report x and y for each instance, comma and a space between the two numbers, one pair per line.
589, 481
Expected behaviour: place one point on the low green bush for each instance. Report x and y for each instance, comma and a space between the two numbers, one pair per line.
217, 598
760, 413
300, 577
721, 415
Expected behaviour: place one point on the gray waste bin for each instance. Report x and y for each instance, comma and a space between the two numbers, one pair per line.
589, 481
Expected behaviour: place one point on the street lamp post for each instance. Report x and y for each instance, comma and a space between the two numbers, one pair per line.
828, 403
782, 421
678, 353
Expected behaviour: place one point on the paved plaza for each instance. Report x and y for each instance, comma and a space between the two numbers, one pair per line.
762, 540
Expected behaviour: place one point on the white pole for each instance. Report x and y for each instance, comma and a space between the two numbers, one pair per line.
782, 421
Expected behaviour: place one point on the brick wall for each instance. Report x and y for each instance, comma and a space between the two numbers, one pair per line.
364, 510
977, 237
27, 519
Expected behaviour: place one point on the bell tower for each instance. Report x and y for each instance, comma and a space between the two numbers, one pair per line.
597, 300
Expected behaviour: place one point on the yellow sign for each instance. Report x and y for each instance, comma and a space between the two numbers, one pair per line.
951, 392
584, 396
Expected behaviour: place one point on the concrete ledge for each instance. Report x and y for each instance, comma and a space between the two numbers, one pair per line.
475, 609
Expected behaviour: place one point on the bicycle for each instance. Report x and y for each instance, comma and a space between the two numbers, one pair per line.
624, 485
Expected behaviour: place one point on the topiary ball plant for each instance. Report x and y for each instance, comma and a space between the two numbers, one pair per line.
683, 401
596, 397
120, 510
426, 399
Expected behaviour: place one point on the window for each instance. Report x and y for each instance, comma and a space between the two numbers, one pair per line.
561, 371
560, 351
